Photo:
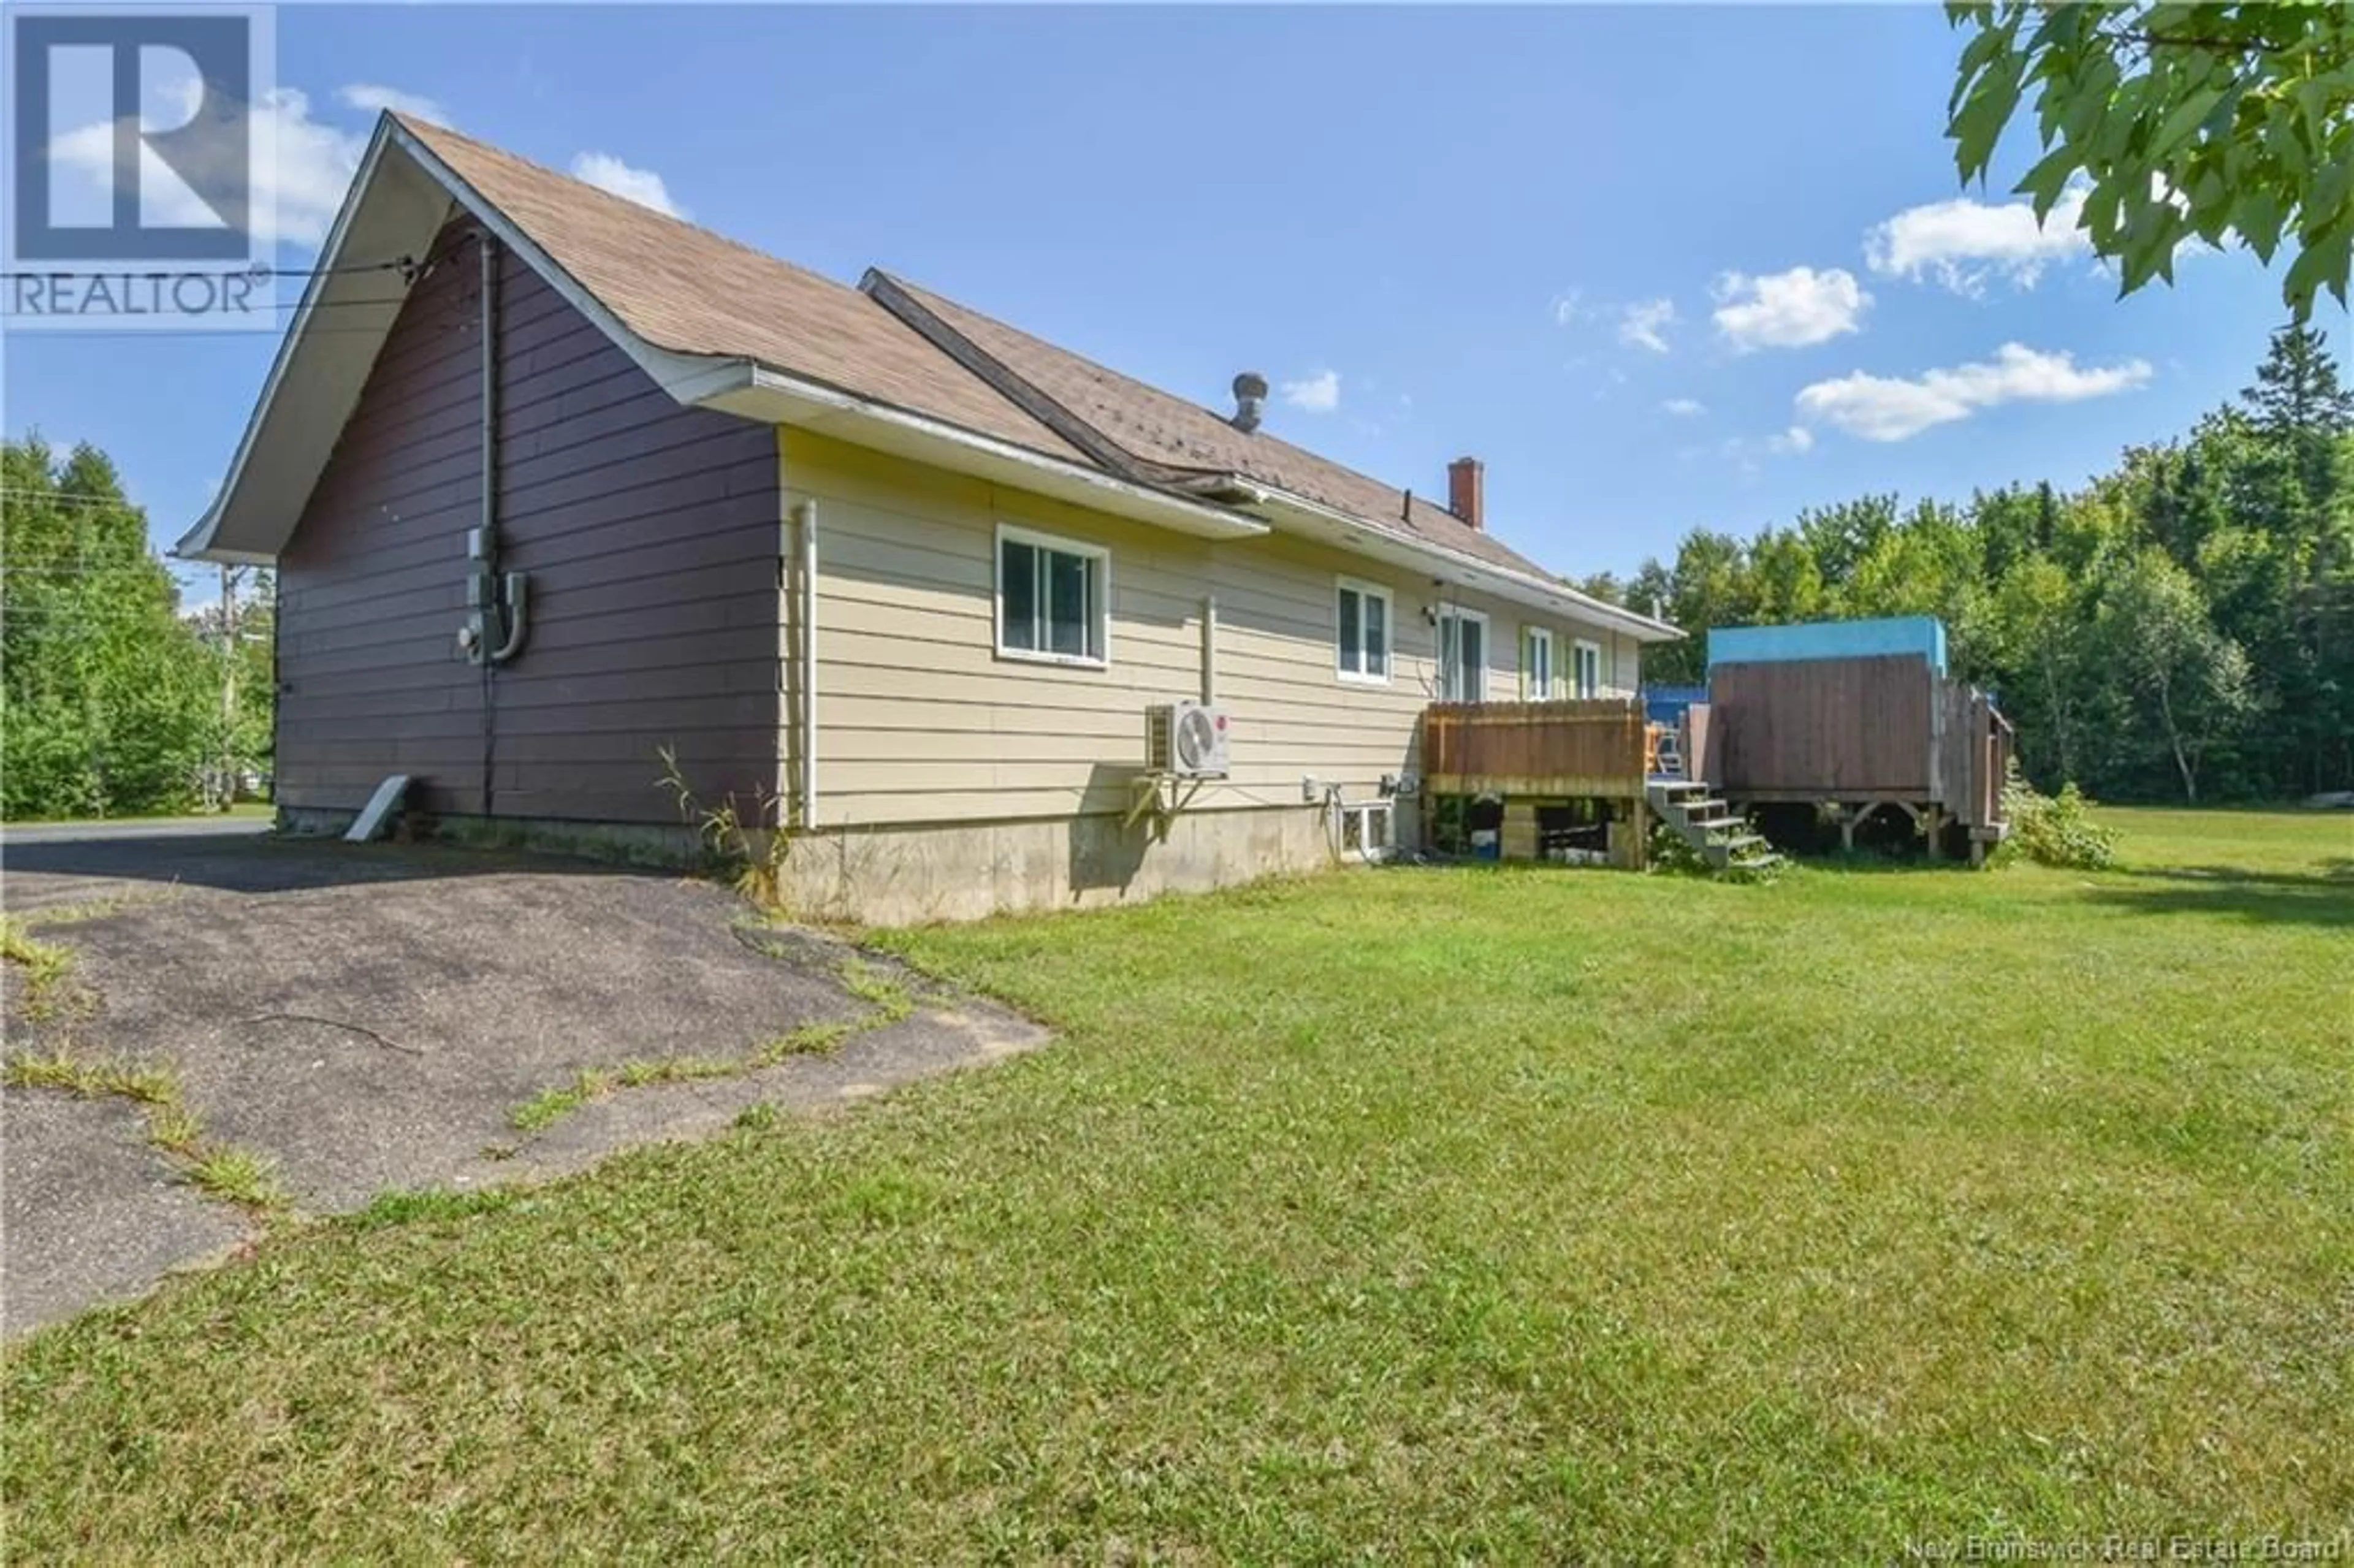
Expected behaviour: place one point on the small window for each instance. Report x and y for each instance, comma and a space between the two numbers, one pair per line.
1462, 656
1362, 631
1536, 664
1586, 672
1365, 830
1053, 599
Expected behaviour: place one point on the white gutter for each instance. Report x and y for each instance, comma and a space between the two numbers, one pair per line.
808, 705
1560, 599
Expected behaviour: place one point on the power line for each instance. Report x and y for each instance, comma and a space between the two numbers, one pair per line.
224, 333
398, 264
49, 574
253, 307
73, 495
63, 497
60, 499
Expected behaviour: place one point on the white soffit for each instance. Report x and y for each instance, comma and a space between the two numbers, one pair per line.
395, 210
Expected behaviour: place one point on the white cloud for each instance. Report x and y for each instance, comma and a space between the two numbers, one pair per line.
1641, 323
1685, 408
1964, 242
295, 195
1789, 310
1888, 409
1743, 452
369, 97
644, 186
1319, 394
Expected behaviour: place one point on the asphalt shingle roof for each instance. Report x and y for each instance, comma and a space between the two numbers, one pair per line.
685, 289
1162, 428
688, 289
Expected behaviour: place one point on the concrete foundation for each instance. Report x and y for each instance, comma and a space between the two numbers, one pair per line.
1519, 831
964, 871
908, 874
631, 843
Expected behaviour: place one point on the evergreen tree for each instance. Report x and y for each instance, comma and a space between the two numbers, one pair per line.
2181, 627
2300, 409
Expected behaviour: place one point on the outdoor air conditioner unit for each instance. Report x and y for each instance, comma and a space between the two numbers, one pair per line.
1186, 739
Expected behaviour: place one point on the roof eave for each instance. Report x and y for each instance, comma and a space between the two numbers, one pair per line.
1353, 532
779, 396
198, 544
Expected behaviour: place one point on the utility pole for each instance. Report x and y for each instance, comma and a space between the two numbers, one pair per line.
229, 687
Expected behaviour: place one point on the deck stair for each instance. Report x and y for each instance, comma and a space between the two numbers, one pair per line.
1709, 825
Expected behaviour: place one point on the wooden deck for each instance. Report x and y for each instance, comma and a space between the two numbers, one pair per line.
1551, 751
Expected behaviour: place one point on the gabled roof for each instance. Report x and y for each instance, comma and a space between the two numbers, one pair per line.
712, 321
1160, 428
687, 289
719, 324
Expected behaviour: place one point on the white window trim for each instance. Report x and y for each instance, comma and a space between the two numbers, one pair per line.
1031, 536
1530, 637
1363, 810
1365, 590
1447, 613
1580, 647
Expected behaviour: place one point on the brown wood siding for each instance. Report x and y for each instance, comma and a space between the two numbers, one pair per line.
1831, 727
1974, 755
1593, 747
650, 532
1699, 744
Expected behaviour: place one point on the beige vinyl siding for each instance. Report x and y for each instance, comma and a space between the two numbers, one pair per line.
920, 720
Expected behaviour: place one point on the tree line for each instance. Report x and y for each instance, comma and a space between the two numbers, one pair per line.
2180, 628
112, 701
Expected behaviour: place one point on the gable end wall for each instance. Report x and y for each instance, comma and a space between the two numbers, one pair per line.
650, 535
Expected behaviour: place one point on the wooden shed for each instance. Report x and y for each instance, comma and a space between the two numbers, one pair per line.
1856, 718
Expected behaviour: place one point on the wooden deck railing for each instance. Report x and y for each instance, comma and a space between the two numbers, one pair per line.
1593, 747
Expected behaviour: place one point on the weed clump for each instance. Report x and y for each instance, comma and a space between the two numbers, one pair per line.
2054, 829
750, 854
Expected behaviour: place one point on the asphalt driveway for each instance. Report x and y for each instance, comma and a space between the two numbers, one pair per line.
367, 1018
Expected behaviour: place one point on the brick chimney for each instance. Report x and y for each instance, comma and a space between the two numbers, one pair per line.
1465, 488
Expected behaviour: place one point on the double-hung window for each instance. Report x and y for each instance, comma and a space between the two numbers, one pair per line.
1362, 631
1536, 664
1462, 656
1585, 672
1054, 599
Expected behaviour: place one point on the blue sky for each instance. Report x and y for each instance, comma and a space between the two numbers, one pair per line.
1661, 268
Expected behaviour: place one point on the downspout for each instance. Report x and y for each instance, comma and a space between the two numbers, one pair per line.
497, 603
487, 252
807, 706
278, 688
482, 551
1209, 648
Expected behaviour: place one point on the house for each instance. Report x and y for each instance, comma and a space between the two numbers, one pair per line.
555, 484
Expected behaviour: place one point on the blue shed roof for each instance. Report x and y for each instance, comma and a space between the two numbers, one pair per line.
1921, 634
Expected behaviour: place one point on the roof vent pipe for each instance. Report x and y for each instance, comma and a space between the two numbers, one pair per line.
1250, 399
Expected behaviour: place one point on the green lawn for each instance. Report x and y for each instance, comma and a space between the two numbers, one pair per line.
1524, 1214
